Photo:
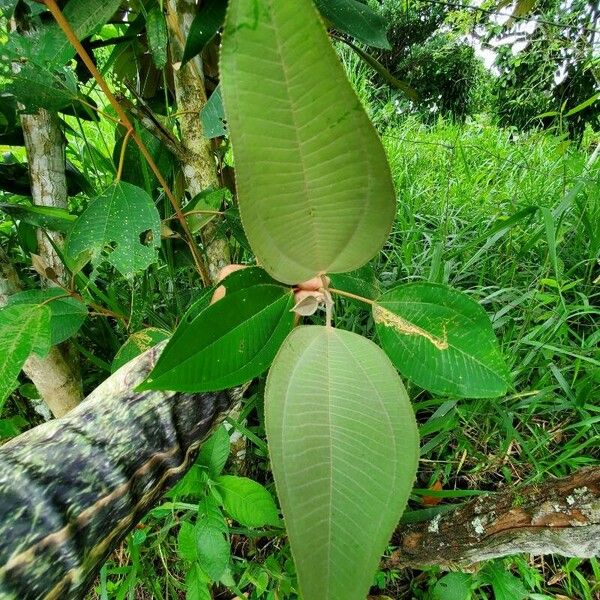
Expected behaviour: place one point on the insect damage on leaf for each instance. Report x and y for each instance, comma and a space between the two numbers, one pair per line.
389, 319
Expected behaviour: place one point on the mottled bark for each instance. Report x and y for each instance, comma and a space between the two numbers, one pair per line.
46, 158
555, 517
198, 162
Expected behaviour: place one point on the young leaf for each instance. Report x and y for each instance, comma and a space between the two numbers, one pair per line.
66, 314
248, 502
356, 19
24, 328
326, 202
343, 444
120, 227
136, 344
442, 340
214, 452
156, 30
213, 549
227, 344
204, 27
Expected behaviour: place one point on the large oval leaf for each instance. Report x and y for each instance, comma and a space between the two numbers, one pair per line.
344, 445
315, 190
227, 344
442, 340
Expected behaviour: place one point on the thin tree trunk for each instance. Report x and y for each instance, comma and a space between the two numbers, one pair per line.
54, 377
199, 165
559, 516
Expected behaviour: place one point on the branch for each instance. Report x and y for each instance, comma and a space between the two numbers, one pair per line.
561, 516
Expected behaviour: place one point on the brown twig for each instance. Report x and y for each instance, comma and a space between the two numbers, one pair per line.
124, 119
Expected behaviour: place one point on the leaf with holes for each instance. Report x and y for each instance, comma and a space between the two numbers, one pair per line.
120, 227
314, 187
66, 314
356, 19
344, 445
213, 116
24, 328
227, 344
442, 340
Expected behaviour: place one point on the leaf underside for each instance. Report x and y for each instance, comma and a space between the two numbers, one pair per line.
315, 190
343, 444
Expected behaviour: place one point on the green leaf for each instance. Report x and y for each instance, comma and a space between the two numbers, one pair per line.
186, 542
361, 282
229, 343
196, 585
454, 586
24, 328
136, 344
344, 445
204, 27
505, 585
209, 200
66, 314
47, 217
356, 19
213, 116
120, 227
214, 452
314, 187
442, 340
213, 549
248, 502
158, 39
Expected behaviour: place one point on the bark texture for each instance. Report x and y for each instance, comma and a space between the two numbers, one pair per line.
198, 161
46, 157
556, 517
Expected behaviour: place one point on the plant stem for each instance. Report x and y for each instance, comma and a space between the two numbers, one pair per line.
124, 119
353, 296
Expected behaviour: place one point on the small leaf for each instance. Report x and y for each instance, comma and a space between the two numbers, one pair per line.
24, 328
356, 19
156, 30
331, 172
66, 314
214, 452
120, 227
343, 444
197, 585
442, 340
136, 344
209, 200
213, 116
204, 27
454, 586
227, 344
186, 542
248, 502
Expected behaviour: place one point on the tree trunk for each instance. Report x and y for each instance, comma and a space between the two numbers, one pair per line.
199, 165
555, 517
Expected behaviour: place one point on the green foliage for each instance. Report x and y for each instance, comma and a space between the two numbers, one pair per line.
213, 116
48, 217
344, 447
66, 314
227, 344
120, 227
136, 344
357, 20
442, 340
156, 30
339, 192
454, 586
24, 328
248, 502
205, 25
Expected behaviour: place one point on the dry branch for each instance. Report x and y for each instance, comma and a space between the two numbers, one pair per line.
559, 516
